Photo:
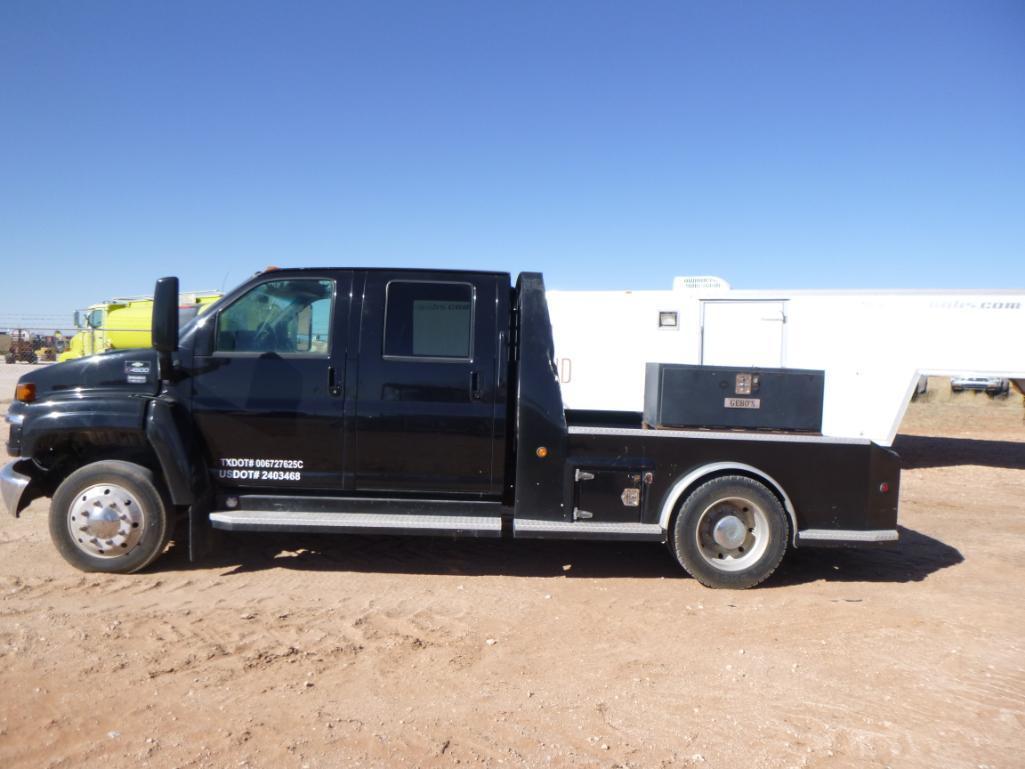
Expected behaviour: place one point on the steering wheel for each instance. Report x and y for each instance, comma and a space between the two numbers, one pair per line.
266, 338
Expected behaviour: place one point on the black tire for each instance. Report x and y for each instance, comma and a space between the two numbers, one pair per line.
117, 486
754, 508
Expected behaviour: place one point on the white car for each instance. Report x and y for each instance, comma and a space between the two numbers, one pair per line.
991, 385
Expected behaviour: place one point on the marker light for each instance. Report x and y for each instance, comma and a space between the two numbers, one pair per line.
26, 393
884, 487
542, 452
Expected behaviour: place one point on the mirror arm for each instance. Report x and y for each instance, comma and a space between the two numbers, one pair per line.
165, 366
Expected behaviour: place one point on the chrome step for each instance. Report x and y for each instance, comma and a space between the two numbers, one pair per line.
368, 505
364, 523
534, 528
845, 535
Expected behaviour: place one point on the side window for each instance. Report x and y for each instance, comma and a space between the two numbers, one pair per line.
428, 320
282, 316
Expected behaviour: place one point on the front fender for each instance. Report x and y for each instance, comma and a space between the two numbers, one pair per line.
49, 419
169, 435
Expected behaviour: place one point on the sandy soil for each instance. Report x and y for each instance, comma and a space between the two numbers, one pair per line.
395, 652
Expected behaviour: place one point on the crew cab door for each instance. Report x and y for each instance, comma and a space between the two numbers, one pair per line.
430, 408
268, 383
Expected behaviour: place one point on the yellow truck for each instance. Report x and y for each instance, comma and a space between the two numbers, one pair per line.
122, 324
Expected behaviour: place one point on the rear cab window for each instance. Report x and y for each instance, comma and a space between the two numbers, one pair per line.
428, 320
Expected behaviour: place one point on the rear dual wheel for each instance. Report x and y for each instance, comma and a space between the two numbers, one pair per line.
730, 532
110, 516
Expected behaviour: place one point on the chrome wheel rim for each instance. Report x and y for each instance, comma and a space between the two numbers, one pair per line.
106, 521
732, 534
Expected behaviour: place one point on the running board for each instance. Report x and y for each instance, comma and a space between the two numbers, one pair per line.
847, 535
528, 528
365, 505
356, 523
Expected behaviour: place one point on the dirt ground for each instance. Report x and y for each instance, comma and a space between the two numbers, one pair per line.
408, 652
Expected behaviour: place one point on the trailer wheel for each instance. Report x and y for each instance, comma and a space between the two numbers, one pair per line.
730, 532
110, 516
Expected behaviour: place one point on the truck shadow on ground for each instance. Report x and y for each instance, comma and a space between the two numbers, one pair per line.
920, 451
913, 559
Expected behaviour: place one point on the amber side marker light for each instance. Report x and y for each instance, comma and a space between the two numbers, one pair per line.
26, 393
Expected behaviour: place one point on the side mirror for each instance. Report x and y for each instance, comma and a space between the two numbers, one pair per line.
165, 322
78, 319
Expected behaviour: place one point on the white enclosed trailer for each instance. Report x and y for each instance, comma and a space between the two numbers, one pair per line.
873, 345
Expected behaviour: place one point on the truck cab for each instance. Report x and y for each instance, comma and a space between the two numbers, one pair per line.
347, 400
354, 381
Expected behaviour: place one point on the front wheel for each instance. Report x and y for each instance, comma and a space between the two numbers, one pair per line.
110, 516
730, 532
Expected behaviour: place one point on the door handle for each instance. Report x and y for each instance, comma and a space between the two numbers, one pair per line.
333, 388
475, 391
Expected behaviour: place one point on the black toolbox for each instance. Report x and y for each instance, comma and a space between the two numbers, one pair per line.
679, 395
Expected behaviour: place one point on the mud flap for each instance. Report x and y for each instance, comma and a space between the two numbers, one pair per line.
204, 540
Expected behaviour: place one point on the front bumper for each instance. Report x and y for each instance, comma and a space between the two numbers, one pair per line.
12, 487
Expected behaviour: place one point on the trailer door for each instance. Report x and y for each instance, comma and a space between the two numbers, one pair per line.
749, 332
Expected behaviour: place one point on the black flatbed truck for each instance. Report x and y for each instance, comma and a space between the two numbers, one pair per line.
407, 402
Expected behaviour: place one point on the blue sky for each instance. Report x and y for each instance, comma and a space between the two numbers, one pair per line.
610, 145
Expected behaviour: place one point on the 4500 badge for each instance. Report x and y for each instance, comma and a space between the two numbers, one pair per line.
252, 469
